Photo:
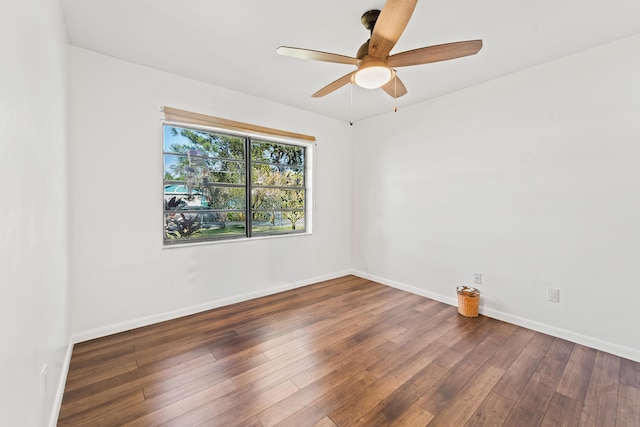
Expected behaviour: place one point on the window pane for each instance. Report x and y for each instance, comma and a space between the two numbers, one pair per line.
265, 198
277, 222
181, 196
173, 170
279, 176
201, 170
198, 142
216, 197
280, 154
182, 225
193, 226
276, 198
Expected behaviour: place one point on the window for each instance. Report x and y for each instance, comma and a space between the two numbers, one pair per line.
221, 185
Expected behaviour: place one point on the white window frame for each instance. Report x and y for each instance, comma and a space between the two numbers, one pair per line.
309, 205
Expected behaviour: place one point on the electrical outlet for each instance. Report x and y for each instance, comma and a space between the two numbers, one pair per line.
477, 278
43, 379
553, 294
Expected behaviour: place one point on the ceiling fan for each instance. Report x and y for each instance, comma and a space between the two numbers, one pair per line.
376, 68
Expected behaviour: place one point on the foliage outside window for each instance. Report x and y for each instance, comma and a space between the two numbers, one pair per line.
214, 190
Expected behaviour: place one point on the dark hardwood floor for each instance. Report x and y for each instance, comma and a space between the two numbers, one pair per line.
345, 352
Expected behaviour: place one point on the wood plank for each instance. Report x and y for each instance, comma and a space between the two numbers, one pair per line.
311, 392
629, 373
99, 354
536, 395
401, 399
99, 414
521, 417
512, 348
413, 416
348, 355
211, 373
575, 378
344, 351
562, 411
224, 409
426, 304
289, 359
517, 376
405, 373
165, 407
600, 404
88, 360
410, 346
328, 402
628, 413
463, 327
309, 416
182, 343
102, 373
96, 394
465, 360
493, 411
325, 422
418, 322
263, 343
462, 407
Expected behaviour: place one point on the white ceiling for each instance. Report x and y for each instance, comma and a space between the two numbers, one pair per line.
232, 43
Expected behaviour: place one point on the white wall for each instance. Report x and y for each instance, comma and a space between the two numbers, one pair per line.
120, 274
33, 232
532, 180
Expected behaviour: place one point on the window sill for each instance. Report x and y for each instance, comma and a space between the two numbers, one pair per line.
238, 240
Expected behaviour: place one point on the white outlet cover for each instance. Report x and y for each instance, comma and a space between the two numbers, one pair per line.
477, 278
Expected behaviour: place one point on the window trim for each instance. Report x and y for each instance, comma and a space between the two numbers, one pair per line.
188, 117
308, 142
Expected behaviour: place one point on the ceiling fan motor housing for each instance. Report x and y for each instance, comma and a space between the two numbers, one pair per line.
369, 18
363, 50
375, 66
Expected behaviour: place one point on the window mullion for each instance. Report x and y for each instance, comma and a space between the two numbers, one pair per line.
249, 187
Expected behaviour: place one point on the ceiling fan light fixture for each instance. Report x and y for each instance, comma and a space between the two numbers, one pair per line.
376, 67
373, 77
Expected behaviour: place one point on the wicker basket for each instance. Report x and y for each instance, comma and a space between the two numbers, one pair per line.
468, 300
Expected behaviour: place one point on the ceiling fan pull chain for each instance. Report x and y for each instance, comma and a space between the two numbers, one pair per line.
351, 111
395, 94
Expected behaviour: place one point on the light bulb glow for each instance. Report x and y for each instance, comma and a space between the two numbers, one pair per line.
373, 77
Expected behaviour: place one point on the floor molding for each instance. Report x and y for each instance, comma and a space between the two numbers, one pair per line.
186, 311
57, 403
598, 344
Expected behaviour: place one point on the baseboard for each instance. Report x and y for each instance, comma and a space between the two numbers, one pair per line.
403, 287
161, 317
57, 403
598, 344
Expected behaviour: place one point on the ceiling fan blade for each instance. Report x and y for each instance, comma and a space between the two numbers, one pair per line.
441, 52
334, 85
315, 55
392, 21
395, 88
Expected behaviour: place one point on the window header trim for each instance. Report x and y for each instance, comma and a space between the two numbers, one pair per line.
188, 117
